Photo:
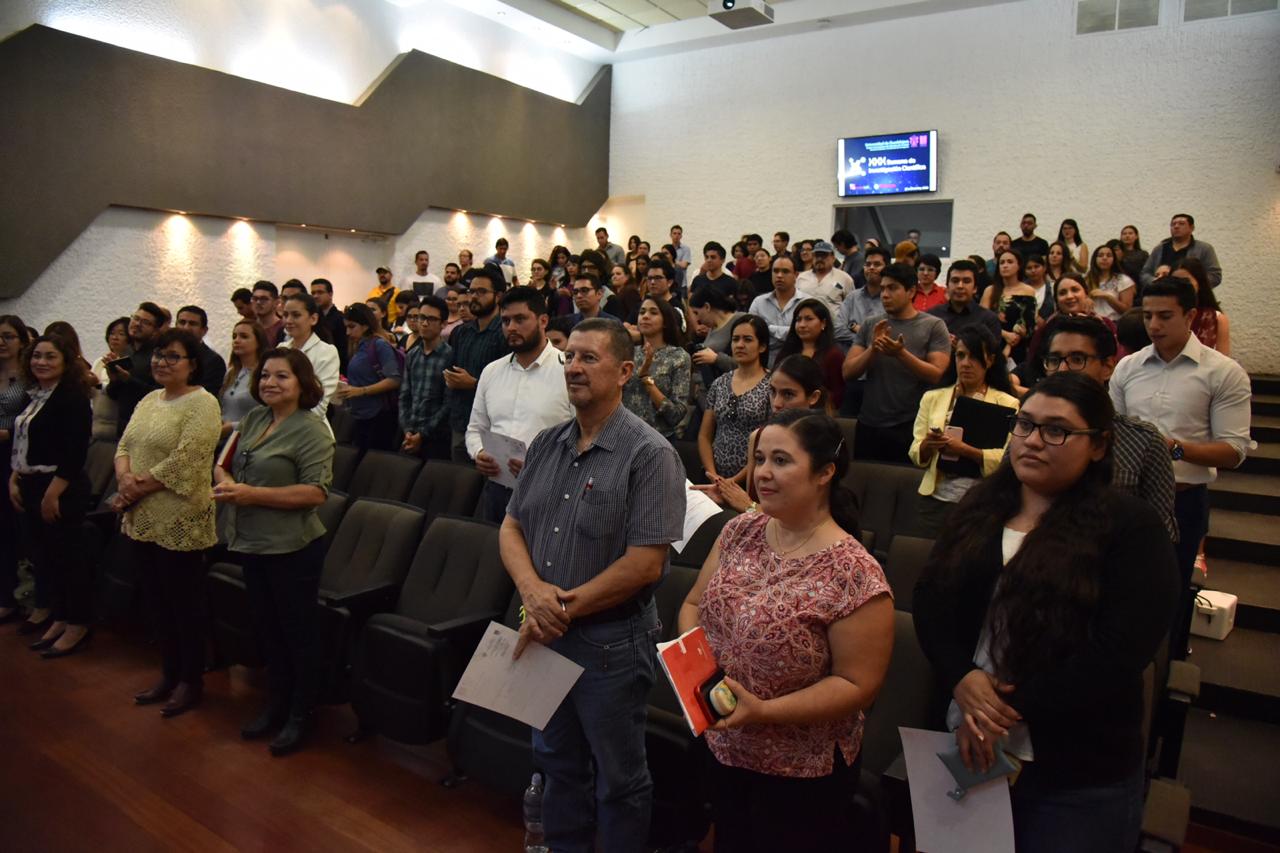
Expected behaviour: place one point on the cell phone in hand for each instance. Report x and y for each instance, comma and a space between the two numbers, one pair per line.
958, 434
122, 363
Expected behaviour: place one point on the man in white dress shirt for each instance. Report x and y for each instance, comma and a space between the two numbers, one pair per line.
824, 281
518, 395
1199, 399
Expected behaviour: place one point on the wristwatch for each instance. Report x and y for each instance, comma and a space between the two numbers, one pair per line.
648, 380
1175, 451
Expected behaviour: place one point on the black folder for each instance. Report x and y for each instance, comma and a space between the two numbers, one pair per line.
986, 426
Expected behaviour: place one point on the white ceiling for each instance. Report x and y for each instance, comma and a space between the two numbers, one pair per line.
627, 15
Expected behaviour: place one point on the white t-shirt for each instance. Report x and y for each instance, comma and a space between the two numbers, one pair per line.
412, 276
1117, 284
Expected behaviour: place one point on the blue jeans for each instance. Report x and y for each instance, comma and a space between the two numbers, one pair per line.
601, 721
1048, 818
1191, 512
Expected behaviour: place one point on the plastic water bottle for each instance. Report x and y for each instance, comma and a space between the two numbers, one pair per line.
533, 838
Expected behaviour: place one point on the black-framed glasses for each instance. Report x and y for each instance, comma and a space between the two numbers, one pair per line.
477, 291
426, 318
1073, 360
170, 358
1051, 434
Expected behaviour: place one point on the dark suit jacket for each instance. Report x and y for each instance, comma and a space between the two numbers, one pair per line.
129, 392
337, 328
60, 432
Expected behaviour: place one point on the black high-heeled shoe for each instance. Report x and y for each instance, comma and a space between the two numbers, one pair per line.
41, 645
53, 652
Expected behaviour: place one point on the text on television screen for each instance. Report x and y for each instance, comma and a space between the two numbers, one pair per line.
888, 164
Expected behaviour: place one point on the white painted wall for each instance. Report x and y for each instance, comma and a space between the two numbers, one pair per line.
1110, 129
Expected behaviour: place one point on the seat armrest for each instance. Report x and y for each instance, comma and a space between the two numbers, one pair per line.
364, 602
897, 802
1167, 812
466, 623
1184, 681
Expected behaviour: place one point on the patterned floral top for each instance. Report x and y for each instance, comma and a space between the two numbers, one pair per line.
671, 372
173, 441
736, 418
766, 619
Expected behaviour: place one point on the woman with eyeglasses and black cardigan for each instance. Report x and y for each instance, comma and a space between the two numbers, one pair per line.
1045, 598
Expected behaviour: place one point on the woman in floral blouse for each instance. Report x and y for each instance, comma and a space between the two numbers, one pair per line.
800, 618
658, 391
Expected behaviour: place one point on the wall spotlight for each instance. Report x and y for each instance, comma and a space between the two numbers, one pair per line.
728, 4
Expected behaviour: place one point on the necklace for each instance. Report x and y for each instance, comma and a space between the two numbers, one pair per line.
778, 540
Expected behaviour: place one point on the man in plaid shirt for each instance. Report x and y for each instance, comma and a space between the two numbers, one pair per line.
422, 409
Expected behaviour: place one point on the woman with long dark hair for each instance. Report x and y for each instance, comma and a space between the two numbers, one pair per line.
658, 390
1014, 302
800, 618
1110, 289
14, 338
248, 343
978, 371
1133, 257
304, 332
737, 402
1069, 236
374, 374
1045, 598
812, 333
48, 486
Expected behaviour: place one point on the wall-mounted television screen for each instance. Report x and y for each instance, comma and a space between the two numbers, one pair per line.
888, 164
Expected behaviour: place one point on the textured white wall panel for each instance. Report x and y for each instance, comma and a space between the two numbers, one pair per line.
1111, 129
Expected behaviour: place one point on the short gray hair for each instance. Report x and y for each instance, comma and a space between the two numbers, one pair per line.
619, 339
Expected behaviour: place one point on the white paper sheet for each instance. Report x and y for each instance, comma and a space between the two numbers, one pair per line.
503, 448
697, 509
529, 689
982, 822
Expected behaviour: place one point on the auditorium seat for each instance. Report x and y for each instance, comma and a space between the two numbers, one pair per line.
446, 488
676, 758
345, 458
909, 697
343, 425
907, 558
100, 468
849, 427
693, 468
408, 660
364, 567
382, 474
702, 541
489, 747
887, 501
331, 512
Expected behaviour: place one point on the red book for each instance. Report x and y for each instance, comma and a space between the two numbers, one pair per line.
229, 451
689, 663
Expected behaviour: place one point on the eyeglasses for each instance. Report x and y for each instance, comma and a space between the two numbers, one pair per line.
1052, 434
143, 321
477, 291
9, 337
583, 291
425, 319
658, 277
169, 358
1074, 361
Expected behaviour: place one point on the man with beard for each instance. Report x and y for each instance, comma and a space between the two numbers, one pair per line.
385, 293
128, 386
518, 396
1029, 244
475, 344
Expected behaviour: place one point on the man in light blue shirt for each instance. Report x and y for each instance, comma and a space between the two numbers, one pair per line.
862, 304
500, 258
684, 257
778, 307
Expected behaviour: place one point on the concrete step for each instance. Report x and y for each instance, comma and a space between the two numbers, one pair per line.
1256, 586
1257, 493
1246, 536
1229, 765
1263, 459
1266, 404
1239, 675
1265, 428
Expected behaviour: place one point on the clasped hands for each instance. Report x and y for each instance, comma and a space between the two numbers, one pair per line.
725, 492
882, 342
488, 466
546, 614
987, 717
131, 488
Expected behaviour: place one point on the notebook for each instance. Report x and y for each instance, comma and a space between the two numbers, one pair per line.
688, 662
985, 425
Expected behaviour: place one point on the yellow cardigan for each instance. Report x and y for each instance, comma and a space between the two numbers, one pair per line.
933, 413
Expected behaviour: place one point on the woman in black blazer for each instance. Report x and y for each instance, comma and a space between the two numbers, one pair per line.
1043, 602
48, 486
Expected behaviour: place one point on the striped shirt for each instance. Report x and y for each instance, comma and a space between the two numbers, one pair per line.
581, 511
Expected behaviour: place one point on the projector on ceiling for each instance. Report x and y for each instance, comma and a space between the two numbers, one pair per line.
740, 14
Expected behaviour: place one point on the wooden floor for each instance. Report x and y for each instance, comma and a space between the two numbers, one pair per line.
82, 768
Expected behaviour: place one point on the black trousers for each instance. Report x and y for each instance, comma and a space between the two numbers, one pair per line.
883, 444
173, 582
493, 502
282, 591
64, 578
758, 812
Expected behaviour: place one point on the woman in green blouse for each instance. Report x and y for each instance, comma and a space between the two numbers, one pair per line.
280, 475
